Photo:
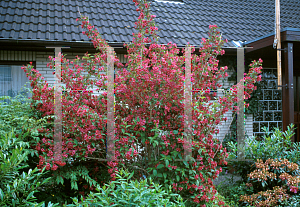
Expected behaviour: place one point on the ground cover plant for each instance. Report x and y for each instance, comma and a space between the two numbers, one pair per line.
149, 106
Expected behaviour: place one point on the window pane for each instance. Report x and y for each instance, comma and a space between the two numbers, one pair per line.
12, 79
5, 80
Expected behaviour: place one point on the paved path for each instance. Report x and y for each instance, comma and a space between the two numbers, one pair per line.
226, 179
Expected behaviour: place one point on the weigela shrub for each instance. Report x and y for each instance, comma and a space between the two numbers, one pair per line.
149, 109
275, 181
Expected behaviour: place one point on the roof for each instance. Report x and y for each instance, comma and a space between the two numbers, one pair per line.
55, 20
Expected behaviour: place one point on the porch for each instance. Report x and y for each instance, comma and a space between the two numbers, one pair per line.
287, 98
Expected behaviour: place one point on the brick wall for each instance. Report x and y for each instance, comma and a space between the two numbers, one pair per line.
224, 127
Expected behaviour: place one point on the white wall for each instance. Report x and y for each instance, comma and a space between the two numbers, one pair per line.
224, 127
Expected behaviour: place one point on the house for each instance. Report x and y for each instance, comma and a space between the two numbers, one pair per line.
27, 27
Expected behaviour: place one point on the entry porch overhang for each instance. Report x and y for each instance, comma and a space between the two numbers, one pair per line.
263, 48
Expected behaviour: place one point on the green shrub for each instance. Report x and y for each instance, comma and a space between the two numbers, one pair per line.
273, 145
17, 188
19, 121
13, 112
125, 192
16, 112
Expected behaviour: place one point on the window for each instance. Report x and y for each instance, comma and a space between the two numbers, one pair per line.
12, 79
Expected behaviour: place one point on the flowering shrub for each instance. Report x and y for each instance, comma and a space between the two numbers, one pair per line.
148, 109
276, 180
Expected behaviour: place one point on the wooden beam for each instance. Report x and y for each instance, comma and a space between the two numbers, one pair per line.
288, 90
262, 43
291, 36
277, 12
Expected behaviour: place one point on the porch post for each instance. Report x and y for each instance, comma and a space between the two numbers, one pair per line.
240, 94
288, 88
57, 135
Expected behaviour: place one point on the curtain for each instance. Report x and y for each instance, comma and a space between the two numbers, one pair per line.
12, 80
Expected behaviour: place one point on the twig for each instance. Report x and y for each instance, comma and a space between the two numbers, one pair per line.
139, 168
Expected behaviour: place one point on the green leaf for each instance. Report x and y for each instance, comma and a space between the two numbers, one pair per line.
130, 176
15, 184
167, 163
160, 166
1, 194
165, 175
155, 172
30, 195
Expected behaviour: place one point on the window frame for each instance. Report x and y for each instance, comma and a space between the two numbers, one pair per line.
17, 63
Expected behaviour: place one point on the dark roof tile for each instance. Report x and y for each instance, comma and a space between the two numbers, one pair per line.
4, 34
13, 35
55, 20
28, 35
65, 36
105, 36
31, 27
73, 36
57, 36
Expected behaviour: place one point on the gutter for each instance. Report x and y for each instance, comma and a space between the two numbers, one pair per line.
77, 43
82, 46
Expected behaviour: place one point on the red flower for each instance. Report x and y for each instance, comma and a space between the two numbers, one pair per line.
293, 189
54, 167
48, 166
